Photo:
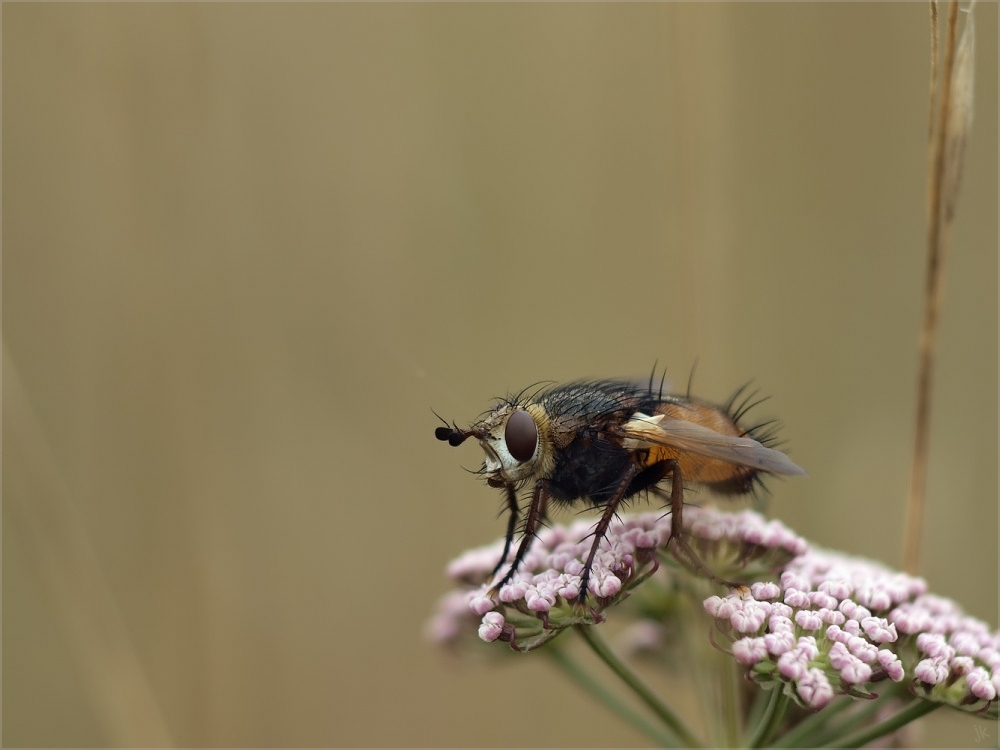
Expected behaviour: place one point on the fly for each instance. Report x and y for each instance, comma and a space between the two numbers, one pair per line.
603, 442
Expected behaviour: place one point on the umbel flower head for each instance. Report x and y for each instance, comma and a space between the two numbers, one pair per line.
838, 625
812, 624
539, 601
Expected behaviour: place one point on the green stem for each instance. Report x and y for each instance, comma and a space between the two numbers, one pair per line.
687, 739
575, 672
760, 703
798, 735
703, 661
730, 698
764, 722
777, 716
829, 733
912, 712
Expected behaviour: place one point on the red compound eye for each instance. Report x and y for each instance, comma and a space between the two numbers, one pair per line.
521, 435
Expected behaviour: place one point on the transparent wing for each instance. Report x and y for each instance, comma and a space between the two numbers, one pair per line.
694, 438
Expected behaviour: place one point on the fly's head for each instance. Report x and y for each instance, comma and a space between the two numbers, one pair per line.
517, 441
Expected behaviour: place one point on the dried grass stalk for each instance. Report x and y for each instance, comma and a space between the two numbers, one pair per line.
953, 117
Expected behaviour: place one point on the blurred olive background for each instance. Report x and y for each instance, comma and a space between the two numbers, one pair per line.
247, 248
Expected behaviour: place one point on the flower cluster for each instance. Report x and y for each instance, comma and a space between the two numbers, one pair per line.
838, 625
540, 600
808, 626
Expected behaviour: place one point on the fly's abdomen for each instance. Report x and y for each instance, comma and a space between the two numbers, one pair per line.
721, 476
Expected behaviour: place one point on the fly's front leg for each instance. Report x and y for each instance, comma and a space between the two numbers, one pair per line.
536, 511
602, 527
511, 528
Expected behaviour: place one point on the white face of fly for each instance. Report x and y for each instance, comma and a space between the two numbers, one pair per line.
511, 443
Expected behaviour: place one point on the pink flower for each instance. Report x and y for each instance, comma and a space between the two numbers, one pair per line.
822, 600
792, 665
605, 586
805, 626
780, 609
749, 651
965, 642
855, 647
909, 619
891, 664
878, 629
934, 645
979, 684
838, 589
855, 672
839, 656
539, 600
481, 604
750, 617
780, 642
931, 671
808, 620
712, 605
492, 626
815, 689
765, 591
873, 597
780, 624
834, 633
831, 616
795, 598
728, 607
862, 649
961, 666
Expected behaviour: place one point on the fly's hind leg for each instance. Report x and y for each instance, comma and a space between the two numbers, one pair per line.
681, 549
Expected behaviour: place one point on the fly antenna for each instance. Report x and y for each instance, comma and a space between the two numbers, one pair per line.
450, 432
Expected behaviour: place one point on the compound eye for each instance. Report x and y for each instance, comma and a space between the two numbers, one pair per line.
521, 435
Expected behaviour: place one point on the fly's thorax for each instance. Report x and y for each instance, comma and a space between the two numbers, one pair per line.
518, 442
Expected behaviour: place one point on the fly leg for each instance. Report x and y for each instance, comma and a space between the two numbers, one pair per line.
682, 550
602, 527
511, 527
536, 512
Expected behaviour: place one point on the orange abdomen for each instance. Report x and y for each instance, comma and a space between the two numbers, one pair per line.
701, 469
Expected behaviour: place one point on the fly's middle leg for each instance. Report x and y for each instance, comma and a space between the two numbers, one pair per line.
602, 527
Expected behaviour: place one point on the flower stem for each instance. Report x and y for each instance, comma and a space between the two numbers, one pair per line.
731, 712
912, 712
755, 714
828, 733
704, 662
774, 716
764, 721
599, 647
575, 672
805, 728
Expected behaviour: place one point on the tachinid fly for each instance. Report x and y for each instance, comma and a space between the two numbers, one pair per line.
604, 441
